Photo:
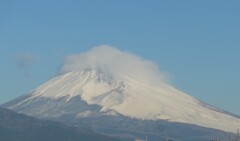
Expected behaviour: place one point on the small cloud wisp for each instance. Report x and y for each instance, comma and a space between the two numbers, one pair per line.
24, 60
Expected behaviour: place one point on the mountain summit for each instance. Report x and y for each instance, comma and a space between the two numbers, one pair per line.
121, 95
105, 85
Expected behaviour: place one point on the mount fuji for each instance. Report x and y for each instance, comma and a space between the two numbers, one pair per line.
111, 96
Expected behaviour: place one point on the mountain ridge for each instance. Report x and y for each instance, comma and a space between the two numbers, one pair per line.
19, 127
127, 127
100, 95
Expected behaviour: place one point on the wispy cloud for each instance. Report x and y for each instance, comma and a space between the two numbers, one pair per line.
24, 60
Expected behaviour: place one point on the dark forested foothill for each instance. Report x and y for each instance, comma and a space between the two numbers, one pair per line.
18, 127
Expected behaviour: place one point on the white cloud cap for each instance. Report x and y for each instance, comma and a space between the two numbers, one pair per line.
117, 62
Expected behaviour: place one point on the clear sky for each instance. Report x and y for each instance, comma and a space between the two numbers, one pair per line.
196, 42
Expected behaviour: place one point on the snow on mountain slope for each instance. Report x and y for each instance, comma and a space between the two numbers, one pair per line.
110, 81
132, 98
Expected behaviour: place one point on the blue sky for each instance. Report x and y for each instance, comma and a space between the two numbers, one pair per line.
196, 42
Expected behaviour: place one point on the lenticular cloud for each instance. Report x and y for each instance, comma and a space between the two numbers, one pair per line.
115, 61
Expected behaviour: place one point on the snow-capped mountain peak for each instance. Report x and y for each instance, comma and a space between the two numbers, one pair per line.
107, 81
78, 83
130, 97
